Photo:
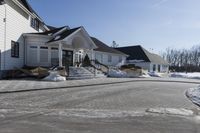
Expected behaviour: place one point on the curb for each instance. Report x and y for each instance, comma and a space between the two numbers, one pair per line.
99, 84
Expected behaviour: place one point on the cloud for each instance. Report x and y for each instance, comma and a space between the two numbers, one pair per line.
159, 3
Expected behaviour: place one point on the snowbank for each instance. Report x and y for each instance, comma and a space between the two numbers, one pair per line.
117, 73
54, 76
194, 95
154, 74
186, 75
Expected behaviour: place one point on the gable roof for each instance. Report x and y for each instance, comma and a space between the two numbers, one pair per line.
105, 48
51, 27
28, 7
64, 34
139, 53
50, 32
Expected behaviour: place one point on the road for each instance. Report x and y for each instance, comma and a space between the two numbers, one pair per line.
114, 108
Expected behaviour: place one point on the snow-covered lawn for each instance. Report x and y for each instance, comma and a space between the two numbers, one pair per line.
194, 95
195, 75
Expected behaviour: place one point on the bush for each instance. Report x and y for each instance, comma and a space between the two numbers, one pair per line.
86, 61
130, 66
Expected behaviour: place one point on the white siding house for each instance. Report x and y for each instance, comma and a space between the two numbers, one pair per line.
107, 55
26, 41
15, 20
51, 47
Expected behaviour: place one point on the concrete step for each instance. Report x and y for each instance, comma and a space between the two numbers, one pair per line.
79, 73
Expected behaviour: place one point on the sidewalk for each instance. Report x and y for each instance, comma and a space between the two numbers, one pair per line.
10, 86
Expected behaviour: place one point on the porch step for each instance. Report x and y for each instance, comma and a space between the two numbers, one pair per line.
99, 74
79, 73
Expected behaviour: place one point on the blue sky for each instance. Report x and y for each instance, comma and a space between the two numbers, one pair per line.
154, 24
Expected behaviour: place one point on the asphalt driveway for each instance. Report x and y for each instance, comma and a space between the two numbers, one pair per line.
139, 107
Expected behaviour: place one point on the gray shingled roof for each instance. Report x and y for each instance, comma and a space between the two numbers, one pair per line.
139, 53
64, 34
28, 7
50, 32
105, 48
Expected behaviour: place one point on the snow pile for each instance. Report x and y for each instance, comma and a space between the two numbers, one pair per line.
154, 74
90, 113
194, 95
171, 111
117, 73
54, 76
144, 75
186, 75
135, 61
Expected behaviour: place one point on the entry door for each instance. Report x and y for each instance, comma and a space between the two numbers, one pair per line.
78, 57
158, 68
67, 58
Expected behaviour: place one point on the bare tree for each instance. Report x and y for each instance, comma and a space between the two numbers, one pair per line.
189, 59
114, 44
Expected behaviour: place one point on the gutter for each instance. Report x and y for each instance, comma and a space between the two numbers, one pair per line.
26, 10
30, 13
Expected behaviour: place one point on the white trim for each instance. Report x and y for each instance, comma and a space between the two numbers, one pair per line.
60, 31
110, 53
89, 36
30, 13
35, 35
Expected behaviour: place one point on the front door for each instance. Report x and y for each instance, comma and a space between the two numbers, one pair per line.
67, 58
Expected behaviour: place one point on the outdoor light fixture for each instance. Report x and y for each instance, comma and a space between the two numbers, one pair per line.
2, 2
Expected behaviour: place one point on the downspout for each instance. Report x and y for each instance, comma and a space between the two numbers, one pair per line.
24, 39
5, 36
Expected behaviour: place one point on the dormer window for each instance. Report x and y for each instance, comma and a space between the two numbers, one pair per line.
35, 24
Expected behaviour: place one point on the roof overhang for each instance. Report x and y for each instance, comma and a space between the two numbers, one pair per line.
2, 2
73, 34
35, 35
29, 13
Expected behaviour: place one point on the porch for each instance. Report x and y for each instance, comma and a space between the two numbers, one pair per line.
64, 48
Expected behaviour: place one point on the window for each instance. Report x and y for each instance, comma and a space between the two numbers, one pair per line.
33, 47
43, 54
159, 68
120, 59
54, 48
43, 47
109, 58
14, 49
154, 68
35, 24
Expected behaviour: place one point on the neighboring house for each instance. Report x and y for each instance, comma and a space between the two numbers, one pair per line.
143, 58
16, 18
107, 55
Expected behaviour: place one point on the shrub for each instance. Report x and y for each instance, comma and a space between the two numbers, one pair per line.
86, 61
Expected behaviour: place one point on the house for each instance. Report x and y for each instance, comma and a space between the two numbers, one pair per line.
25, 40
107, 55
16, 17
65, 46
60, 46
145, 59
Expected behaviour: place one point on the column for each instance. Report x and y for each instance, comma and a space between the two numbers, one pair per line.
60, 54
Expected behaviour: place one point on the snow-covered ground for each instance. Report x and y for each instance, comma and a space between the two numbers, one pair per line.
117, 73
194, 95
195, 75
154, 74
